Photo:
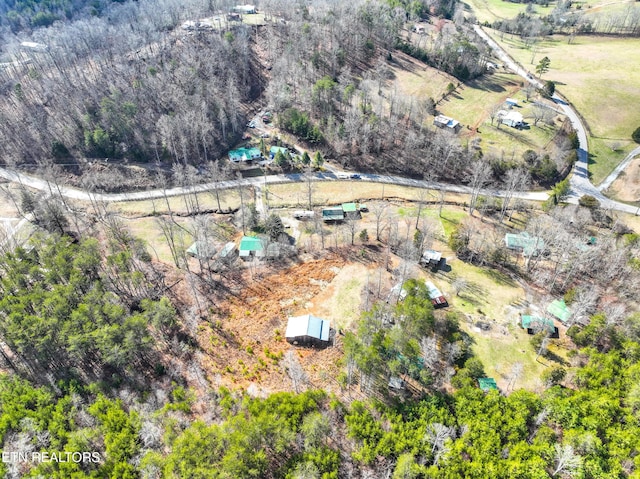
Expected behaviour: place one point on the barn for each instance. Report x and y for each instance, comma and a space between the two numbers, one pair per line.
308, 330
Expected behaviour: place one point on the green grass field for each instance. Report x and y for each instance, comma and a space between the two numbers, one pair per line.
149, 231
595, 75
471, 104
492, 10
413, 78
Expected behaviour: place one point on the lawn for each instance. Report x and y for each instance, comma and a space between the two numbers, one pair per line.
341, 300
471, 103
491, 10
229, 199
500, 351
148, 230
413, 78
594, 73
294, 195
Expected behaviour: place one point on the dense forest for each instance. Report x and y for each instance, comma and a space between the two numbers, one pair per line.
21, 15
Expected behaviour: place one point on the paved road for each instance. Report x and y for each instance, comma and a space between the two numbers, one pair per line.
259, 181
580, 183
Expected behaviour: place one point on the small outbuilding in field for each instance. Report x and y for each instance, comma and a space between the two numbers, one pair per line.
308, 330
511, 102
435, 295
447, 123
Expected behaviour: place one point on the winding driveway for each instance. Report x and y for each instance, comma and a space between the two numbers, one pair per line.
580, 183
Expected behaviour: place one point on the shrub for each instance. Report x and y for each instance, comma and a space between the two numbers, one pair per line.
588, 201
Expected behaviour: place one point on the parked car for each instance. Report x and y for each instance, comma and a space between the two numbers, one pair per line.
355, 176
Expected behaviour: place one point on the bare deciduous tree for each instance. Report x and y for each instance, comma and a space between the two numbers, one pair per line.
293, 368
478, 179
567, 461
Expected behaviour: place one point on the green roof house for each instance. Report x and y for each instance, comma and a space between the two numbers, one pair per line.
524, 243
537, 323
487, 384
559, 309
251, 246
245, 154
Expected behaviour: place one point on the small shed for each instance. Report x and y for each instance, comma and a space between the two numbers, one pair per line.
513, 119
435, 295
559, 309
228, 250
250, 247
397, 383
202, 250
309, 330
273, 251
351, 210
487, 384
333, 214
398, 293
447, 123
511, 102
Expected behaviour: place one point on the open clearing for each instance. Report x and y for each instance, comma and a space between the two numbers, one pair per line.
229, 200
597, 76
416, 79
471, 103
492, 10
148, 230
295, 195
